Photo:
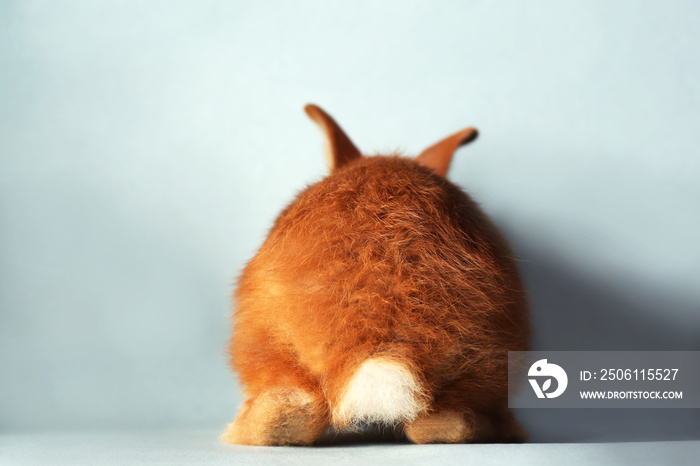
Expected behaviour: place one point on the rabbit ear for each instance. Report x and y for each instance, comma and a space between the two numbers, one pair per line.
438, 156
338, 148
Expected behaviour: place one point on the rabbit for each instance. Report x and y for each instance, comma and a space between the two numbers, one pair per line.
383, 295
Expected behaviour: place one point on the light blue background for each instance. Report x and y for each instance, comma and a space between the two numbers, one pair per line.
146, 147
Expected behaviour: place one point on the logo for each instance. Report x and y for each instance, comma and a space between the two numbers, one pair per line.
541, 369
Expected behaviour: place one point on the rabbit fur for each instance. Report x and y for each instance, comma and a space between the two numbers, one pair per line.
382, 295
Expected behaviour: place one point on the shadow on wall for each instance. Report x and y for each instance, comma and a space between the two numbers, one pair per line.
572, 311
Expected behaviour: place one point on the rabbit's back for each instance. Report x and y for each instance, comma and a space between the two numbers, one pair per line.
385, 257
382, 294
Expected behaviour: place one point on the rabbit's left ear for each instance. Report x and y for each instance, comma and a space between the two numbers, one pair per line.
438, 156
338, 147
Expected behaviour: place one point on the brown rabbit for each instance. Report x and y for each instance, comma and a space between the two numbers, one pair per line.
383, 294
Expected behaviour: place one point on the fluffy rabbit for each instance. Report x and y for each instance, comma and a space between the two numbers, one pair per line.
382, 295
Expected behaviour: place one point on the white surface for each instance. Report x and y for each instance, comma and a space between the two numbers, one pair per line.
201, 447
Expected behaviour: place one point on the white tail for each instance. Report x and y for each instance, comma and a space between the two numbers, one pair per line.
381, 391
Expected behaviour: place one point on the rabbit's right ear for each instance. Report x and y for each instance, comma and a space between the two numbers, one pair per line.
439, 156
338, 147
